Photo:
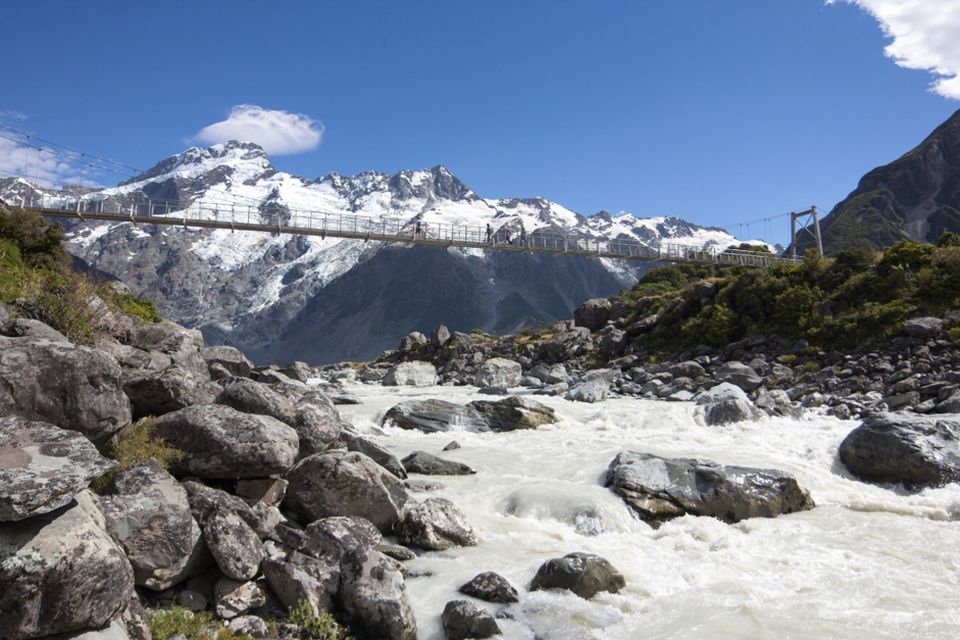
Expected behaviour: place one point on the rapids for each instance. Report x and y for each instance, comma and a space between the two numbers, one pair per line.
868, 562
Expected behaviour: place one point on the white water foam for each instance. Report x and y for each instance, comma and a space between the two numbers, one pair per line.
868, 562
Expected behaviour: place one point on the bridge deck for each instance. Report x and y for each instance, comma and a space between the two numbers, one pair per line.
393, 230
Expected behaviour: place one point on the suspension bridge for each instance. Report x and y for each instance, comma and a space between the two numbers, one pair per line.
207, 215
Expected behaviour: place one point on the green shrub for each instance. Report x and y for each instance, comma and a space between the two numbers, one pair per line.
61, 300
135, 445
135, 307
953, 335
169, 623
40, 242
313, 626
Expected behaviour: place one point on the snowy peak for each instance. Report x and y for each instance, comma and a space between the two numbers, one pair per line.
197, 161
433, 184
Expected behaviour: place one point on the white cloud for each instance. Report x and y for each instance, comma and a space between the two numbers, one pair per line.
41, 167
11, 114
926, 35
278, 132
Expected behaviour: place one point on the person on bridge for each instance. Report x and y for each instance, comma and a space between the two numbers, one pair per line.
418, 233
489, 234
523, 235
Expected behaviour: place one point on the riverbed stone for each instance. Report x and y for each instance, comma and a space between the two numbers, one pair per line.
235, 597
230, 358
233, 544
153, 393
147, 512
513, 413
345, 483
374, 595
508, 414
43, 466
491, 587
593, 314
411, 374
916, 450
378, 454
499, 372
435, 524
585, 574
61, 572
461, 619
737, 373
221, 442
297, 577
431, 465
725, 403
70, 386
660, 489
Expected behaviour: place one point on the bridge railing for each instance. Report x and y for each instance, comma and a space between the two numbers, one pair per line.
282, 219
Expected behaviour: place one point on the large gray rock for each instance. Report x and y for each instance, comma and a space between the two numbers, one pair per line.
660, 489
311, 413
491, 587
926, 327
499, 372
147, 513
411, 374
435, 524
462, 619
916, 450
725, 403
589, 391
296, 577
234, 597
43, 466
182, 346
481, 415
585, 574
739, 374
338, 535
230, 358
345, 483
593, 314
377, 453
550, 374
29, 328
153, 393
373, 594
73, 387
233, 544
205, 501
221, 442
431, 465
61, 572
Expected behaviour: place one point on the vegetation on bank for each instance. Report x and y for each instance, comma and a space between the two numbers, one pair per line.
135, 445
36, 277
854, 299
315, 627
166, 624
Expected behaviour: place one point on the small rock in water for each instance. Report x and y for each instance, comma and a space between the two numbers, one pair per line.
435, 524
491, 587
462, 619
453, 445
585, 574
431, 465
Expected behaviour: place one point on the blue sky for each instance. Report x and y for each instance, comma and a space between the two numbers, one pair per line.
715, 111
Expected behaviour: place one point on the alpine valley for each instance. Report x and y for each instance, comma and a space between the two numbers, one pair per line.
280, 298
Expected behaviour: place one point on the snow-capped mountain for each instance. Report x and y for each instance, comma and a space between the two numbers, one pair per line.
281, 297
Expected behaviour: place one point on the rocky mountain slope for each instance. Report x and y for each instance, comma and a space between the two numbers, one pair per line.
915, 197
321, 300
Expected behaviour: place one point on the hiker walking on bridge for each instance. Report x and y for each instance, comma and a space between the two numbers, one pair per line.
489, 234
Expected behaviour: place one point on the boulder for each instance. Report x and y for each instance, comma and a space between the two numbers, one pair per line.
182, 346
221, 442
61, 572
337, 535
687, 369
375, 452
739, 374
153, 393
233, 597
513, 413
204, 501
566, 346
373, 594
296, 577
345, 483
412, 341
949, 405
725, 403
923, 328
440, 335
147, 513
491, 587
268, 491
919, 451
430, 465
29, 328
589, 391
73, 387
252, 626
585, 574
297, 370
593, 314
507, 414
411, 374
462, 619
435, 524
233, 544
230, 358
660, 489
43, 466
550, 374
311, 413
499, 372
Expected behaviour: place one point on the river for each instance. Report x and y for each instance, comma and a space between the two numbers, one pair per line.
868, 562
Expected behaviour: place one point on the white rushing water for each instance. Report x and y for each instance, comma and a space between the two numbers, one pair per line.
868, 562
